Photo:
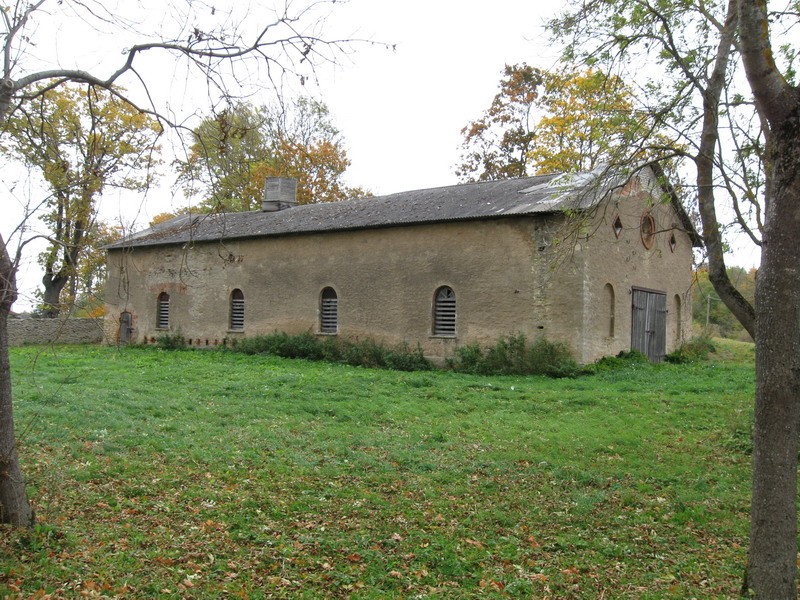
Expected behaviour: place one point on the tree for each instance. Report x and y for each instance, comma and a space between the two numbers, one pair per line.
589, 117
543, 122
82, 141
88, 285
496, 146
214, 43
236, 149
744, 152
772, 558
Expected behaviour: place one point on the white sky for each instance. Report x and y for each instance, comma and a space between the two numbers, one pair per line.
400, 112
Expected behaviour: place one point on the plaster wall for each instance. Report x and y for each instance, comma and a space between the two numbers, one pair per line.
385, 280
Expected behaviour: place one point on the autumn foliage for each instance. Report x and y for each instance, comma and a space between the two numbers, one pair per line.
235, 150
549, 122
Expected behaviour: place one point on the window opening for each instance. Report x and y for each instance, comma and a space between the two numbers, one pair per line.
648, 230
673, 243
162, 311
329, 311
617, 225
678, 320
237, 310
444, 314
610, 302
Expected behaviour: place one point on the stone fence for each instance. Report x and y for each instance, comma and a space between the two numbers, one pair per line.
54, 331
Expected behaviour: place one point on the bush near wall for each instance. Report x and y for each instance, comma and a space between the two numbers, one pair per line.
360, 353
509, 356
514, 355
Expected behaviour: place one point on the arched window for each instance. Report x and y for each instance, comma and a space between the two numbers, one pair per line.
444, 312
329, 311
237, 310
677, 310
673, 242
609, 305
162, 311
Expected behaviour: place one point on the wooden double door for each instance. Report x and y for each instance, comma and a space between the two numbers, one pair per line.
649, 323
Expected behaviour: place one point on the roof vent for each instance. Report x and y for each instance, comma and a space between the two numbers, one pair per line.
279, 193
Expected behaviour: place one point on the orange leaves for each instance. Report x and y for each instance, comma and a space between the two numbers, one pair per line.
237, 149
491, 584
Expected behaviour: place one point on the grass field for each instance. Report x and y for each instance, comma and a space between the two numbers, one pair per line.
207, 474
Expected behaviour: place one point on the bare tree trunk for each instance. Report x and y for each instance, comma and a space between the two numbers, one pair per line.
772, 559
772, 566
14, 505
51, 299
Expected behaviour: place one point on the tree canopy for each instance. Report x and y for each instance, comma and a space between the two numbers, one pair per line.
550, 122
81, 140
235, 150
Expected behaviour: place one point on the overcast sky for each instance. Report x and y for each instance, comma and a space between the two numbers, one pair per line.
402, 112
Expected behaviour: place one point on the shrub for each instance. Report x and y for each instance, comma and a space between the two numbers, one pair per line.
624, 359
404, 358
694, 350
171, 341
362, 353
468, 359
514, 356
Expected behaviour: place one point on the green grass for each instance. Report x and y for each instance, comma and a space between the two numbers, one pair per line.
207, 474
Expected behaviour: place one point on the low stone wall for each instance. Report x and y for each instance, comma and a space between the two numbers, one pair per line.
54, 331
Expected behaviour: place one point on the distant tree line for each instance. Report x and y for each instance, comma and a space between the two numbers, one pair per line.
709, 313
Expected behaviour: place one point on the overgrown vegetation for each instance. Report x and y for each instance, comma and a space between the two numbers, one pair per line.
513, 355
172, 341
696, 349
222, 475
359, 353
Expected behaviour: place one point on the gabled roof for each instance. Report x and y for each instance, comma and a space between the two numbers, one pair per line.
469, 201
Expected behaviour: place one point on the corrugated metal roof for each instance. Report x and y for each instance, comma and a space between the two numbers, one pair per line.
482, 200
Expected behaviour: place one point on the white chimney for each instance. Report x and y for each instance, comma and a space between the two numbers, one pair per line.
279, 193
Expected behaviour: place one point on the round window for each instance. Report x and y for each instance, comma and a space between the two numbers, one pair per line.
648, 230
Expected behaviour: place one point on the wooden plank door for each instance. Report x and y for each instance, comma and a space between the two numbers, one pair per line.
125, 327
649, 323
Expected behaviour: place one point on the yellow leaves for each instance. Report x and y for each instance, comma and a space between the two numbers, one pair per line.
548, 122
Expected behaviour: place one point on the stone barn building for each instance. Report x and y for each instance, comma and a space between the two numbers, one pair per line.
599, 263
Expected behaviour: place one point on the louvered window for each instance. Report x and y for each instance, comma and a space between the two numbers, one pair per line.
444, 312
162, 311
329, 311
237, 310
